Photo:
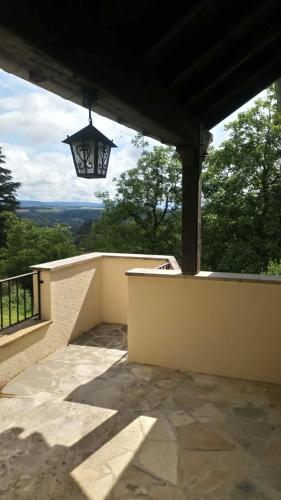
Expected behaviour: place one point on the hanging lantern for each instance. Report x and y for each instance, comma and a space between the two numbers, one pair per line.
90, 151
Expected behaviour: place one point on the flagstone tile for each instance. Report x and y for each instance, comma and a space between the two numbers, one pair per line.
198, 437
159, 458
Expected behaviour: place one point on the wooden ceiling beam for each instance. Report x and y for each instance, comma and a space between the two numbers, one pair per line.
257, 47
220, 45
257, 82
160, 48
150, 108
132, 89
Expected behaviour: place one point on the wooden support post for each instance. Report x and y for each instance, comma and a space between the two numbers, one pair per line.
191, 208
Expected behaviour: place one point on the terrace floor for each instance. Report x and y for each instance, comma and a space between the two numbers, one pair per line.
85, 424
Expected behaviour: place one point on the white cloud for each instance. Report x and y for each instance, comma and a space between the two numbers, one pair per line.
41, 118
51, 175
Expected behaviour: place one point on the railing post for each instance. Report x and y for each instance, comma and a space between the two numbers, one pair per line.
17, 299
39, 293
1, 305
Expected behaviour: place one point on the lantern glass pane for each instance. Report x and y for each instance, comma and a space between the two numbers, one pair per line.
84, 157
103, 157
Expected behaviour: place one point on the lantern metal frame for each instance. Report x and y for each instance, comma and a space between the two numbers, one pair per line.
90, 151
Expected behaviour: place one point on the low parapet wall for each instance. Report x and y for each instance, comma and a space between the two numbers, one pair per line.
222, 324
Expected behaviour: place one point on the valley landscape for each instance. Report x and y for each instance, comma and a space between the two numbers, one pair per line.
76, 215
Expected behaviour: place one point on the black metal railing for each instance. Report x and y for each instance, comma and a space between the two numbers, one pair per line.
165, 266
20, 299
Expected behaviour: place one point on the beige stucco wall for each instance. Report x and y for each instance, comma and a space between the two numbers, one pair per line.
115, 285
76, 295
221, 327
71, 299
24, 351
75, 299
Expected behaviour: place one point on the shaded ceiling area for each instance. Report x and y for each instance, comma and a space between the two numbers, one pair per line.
159, 67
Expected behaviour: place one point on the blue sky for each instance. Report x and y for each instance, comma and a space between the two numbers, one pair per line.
33, 122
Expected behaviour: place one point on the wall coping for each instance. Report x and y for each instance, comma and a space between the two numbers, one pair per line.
57, 265
13, 336
207, 275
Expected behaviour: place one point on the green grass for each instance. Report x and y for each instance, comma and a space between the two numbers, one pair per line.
5, 306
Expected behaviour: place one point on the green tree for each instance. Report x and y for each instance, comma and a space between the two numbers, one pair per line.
241, 226
29, 244
8, 189
143, 216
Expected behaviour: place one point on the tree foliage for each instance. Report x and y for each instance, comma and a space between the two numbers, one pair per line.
8, 189
241, 230
143, 216
22, 242
28, 244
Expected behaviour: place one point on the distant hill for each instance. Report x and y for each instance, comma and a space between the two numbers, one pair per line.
59, 204
77, 215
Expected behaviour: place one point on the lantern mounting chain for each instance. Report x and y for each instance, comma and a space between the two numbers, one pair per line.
89, 97
90, 116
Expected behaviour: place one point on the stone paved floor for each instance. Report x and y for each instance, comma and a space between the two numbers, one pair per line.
85, 424
106, 335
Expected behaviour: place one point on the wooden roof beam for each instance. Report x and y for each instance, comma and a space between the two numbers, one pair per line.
150, 108
251, 87
257, 47
220, 45
160, 48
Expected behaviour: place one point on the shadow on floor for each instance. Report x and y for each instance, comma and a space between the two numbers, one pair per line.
108, 335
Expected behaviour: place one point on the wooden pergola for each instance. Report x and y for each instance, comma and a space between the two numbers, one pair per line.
171, 70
